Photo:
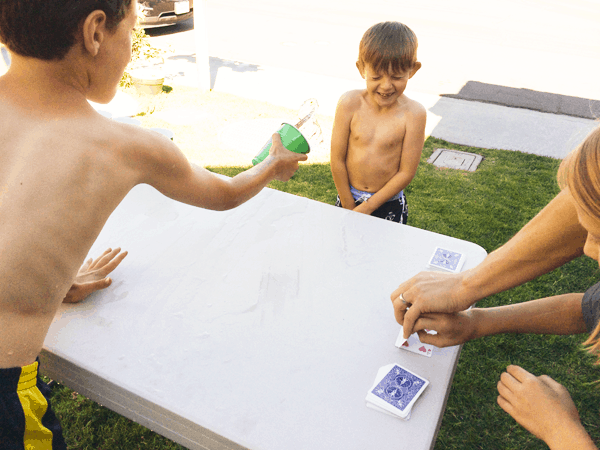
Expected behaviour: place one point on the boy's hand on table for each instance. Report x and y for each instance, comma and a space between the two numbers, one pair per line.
452, 329
92, 275
286, 160
539, 404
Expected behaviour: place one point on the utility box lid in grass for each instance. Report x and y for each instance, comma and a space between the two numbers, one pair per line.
455, 159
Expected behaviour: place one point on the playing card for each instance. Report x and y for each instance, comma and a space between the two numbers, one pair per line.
447, 260
377, 408
413, 343
382, 372
400, 341
397, 391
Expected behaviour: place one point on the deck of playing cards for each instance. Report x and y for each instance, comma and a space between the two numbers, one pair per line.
414, 344
395, 391
447, 260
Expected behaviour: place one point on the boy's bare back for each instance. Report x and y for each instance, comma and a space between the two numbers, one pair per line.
61, 176
64, 168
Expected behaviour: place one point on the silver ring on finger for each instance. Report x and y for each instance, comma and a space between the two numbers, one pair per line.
401, 297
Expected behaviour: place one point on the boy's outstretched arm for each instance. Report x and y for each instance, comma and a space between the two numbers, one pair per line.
339, 147
412, 147
162, 165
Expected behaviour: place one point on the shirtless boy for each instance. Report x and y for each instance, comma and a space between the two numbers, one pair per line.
63, 169
378, 132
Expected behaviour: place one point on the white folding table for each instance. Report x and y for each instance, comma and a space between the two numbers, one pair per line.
261, 327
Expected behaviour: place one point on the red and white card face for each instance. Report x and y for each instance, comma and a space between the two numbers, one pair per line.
413, 344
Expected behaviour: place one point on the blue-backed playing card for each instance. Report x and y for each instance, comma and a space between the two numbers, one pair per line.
397, 391
447, 260
380, 374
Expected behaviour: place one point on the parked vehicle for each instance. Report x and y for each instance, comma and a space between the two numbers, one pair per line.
160, 13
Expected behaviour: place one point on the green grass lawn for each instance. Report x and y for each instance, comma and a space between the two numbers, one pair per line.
486, 207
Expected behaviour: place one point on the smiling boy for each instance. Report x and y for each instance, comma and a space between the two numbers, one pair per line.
378, 132
64, 168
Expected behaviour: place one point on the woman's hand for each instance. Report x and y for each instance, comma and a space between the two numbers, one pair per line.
428, 292
452, 329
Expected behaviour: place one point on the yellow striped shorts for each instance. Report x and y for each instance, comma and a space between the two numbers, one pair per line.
26, 420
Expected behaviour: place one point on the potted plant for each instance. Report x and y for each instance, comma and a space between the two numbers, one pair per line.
144, 71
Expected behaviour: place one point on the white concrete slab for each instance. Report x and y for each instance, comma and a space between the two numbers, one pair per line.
279, 86
492, 126
261, 327
458, 121
284, 87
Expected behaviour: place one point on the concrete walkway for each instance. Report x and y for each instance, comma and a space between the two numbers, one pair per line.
471, 123
479, 123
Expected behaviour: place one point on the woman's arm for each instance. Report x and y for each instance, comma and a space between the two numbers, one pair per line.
549, 240
560, 314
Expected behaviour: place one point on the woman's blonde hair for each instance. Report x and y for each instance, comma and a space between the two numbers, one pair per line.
580, 173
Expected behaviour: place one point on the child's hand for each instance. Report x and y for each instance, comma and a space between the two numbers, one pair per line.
287, 161
92, 275
452, 329
364, 208
540, 405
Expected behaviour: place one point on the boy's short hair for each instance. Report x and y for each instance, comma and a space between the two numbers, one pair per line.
388, 43
46, 29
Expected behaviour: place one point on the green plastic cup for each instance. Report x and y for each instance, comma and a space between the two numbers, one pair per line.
291, 138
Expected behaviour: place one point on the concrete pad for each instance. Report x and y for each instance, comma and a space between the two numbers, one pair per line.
471, 123
284, 87
183, 116
291, 88
248, 136
529, 99
180, 70
485, 125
